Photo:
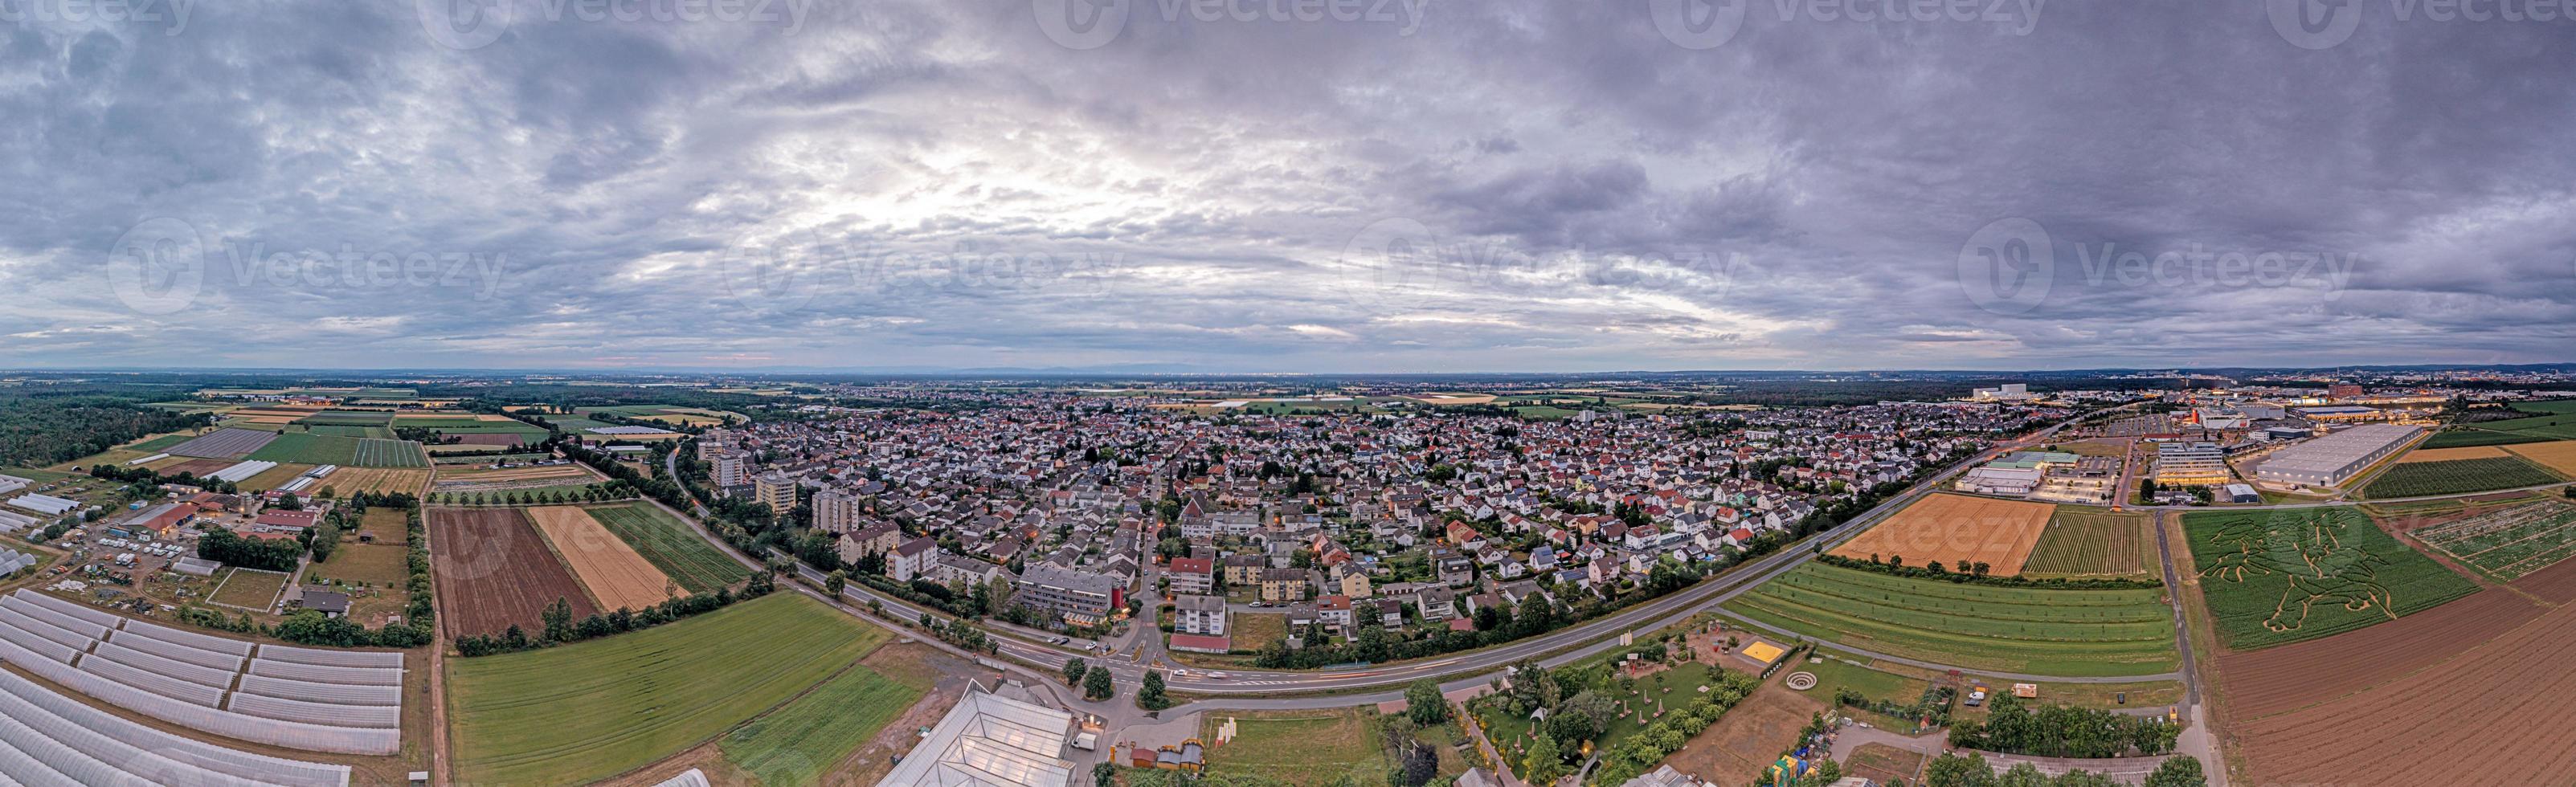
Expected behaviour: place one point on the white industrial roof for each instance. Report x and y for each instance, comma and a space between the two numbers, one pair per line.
2337, 451
991, 741
44, 504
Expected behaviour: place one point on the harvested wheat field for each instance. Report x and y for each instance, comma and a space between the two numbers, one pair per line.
1747, 739
616, 576
2415, 730
2447, 454
1957, 530
2559, 455
348, 480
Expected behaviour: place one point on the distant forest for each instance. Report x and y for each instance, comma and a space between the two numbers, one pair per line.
42, 425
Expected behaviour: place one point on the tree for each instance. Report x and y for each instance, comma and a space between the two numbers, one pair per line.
1542, 764
1104, 774
1073, 670
1424, 704
1097, 686
1150, 696
2178, 771
834, 582
1951, 770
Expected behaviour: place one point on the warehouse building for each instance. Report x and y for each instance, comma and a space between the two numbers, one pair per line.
2332, 459
2191, 464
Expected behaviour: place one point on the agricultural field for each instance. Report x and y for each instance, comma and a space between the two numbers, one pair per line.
616, 577
2091, 633
1302, 747
390, 453
2419, 479
275, 477
671, 546
351, 480
2508, 543
242, 588
2081, 543
223, 443
2275, 577
1749, 737
1957, 530
511, 479
492, 571
377, 432
590, 710
801, 741
157, 444
669, 414
348, 418
2447, 454
2559, 455
2465, 436
309, 448
487, 460
2513, 686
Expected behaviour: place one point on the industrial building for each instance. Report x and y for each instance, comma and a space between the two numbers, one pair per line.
2341, 414
2332, 459
1990, 480
2191, 464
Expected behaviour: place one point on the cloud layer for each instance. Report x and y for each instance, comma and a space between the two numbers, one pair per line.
1284, 186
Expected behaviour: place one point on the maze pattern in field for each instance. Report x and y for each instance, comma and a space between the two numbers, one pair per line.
2512, 542
2419, 479
2032, 630
2274, 577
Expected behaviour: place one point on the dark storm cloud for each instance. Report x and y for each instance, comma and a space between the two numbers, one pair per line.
1506, 185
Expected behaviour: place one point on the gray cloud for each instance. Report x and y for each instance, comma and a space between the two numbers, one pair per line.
939, 183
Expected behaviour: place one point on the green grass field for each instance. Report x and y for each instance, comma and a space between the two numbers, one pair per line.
2092, 544
390, 453
1307, 747
2465, 437
583, 712
671, 546
2276, 577
350, 430
1544, 412
2091, 633
347, 418
2418, 479
308, 448
250, 589
799, 742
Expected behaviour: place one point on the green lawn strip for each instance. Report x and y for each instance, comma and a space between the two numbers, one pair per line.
2456, 476
1299, 747
671, 546
2305, 570
2042, 623
800, 741
2467, 437
587, 711
161, 443
308, 448
2072, 658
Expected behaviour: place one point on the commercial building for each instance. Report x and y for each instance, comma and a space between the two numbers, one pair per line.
2012, 481
2332, 459
2341, 414
2009, 391
1081, 598
990, 739
2242, 493
2191, 464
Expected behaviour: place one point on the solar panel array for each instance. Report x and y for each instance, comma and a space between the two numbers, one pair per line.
350, 702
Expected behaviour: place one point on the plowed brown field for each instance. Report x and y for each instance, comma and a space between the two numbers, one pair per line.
2512, 691
2273, 680
492, 571
1957, 530
616, 576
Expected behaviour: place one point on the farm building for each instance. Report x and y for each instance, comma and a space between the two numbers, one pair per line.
164, 518
991, 739
2330, 460
48, 505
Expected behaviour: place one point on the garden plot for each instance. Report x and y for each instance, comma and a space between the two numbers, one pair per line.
2509, 543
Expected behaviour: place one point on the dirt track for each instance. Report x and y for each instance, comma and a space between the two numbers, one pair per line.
493, 571
616, 576
1959, 531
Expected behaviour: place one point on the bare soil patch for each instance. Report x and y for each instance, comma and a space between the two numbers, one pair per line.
492, 571
1957, 530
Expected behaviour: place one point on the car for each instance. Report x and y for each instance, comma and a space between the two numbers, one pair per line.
1180, 673
1216, 676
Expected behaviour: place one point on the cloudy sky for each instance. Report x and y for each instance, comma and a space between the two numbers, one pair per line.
1361, 185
